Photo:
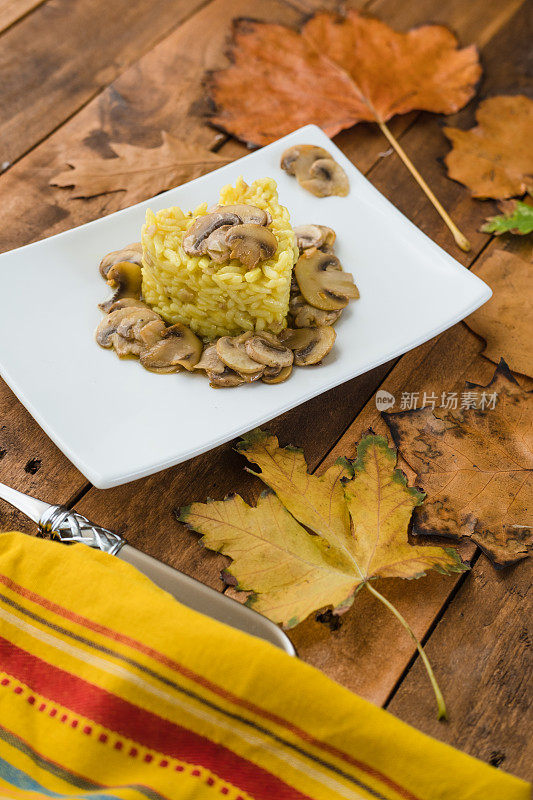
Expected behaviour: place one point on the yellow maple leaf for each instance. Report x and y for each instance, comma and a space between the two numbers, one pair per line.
358, 513
313, 541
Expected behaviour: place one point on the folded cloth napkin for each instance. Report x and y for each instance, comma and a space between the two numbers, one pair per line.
111, 689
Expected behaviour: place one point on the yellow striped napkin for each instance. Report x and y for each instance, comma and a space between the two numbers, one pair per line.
111, 689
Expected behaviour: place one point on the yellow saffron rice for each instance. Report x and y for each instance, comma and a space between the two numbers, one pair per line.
218, 299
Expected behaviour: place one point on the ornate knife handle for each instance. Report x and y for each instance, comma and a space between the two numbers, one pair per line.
67, 526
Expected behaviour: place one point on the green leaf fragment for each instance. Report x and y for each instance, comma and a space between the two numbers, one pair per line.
519, 221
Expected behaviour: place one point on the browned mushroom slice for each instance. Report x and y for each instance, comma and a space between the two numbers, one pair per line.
316, 170
108, 326
203, 227
126, 279
233, 353
131, 252
246, 213
151, 333
318, 236
210, 360
268, 351
178, 347
224, 380
276, 374
307, 316
322, 281
326, 178
309, 345
131, 324
251, 243
126, 347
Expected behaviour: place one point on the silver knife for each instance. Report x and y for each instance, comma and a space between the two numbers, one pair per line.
68, 526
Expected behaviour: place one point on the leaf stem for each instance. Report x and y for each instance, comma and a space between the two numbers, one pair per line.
459, 237
442, 714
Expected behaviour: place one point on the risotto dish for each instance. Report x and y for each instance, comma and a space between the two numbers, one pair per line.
218, 299
231, 291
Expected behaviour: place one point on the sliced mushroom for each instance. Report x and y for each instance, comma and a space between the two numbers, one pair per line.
322, 282
131, 252
124, 302
254, 376
251, 243
151, 333
232, 351
246, 213
108, 326
216, 245
203, 227
126, 279
131, 324
316, 170
210, 360
224, 380
318, 236
276, 374
326, 178
269, 351
309, 345
178, 347
307, 316
126, 347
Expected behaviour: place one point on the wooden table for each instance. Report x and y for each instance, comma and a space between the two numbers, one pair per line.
80, 74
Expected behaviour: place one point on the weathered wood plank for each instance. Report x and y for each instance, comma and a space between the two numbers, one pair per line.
65, 52
13, 10
481, 652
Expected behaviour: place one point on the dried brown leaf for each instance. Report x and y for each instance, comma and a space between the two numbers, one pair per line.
476, 466
506, 321
139, 171
338, 71
495, 159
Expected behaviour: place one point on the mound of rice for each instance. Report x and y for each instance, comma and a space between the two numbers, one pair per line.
218, 299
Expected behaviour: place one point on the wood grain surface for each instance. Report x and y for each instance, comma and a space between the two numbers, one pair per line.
117, 89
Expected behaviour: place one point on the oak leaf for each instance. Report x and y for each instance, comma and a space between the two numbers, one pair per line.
336, 72
516, 218
476, 466
495, 159
506, 320
141, 172
358, 514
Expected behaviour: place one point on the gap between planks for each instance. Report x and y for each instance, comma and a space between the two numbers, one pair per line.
14, 11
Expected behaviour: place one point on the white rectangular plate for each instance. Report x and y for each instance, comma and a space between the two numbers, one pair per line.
117, 422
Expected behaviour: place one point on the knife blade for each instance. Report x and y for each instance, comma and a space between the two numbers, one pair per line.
69, 527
